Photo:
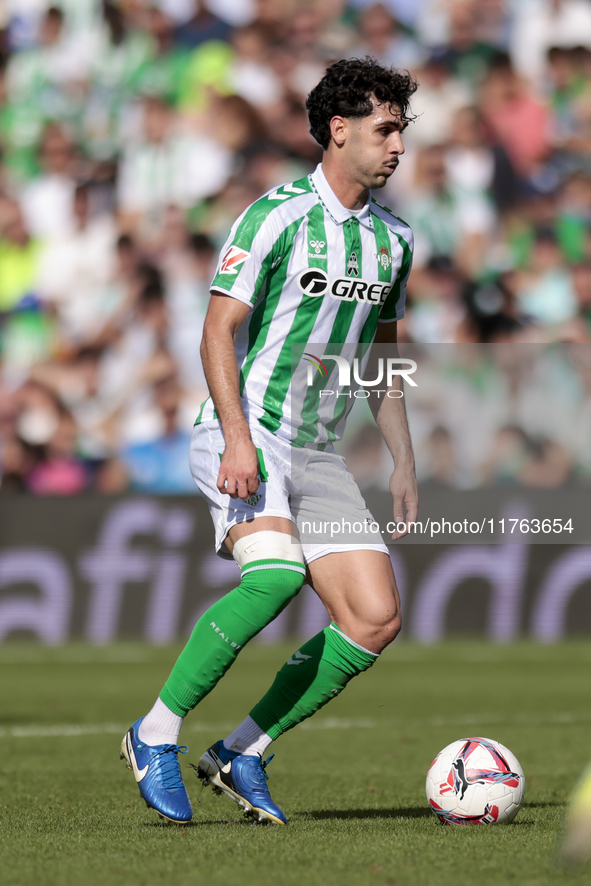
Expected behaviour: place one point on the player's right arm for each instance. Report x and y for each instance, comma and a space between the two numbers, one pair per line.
239, 467
258, 240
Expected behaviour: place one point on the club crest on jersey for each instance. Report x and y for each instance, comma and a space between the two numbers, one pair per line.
353, 266
253, 500
384, 258
232, 260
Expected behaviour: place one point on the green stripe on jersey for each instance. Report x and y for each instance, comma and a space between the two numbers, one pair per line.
365, 339
317, 245
263, 313
303, 323
308, 430
198, 419
383, 249
390, 306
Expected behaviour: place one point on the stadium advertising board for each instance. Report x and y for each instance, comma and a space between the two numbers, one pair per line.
101, 569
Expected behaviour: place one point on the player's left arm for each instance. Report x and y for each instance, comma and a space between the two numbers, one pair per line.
390, 415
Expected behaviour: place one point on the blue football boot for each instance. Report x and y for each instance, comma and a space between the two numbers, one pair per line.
243, 778
158, 775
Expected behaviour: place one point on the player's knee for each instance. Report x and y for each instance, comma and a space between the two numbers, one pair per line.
291, 583
383, 630
375, 632
390, 630
271, 561
276, 584
380, 624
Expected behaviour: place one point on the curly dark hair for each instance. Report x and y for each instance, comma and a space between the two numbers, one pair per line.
346, 90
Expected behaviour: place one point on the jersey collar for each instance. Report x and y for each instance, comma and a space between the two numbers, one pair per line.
339, 213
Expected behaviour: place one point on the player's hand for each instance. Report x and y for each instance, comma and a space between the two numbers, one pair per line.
239, 469
403, 486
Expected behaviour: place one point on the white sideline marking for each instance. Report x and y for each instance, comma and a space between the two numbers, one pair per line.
74, 731
59, 731
71, 731
336, 723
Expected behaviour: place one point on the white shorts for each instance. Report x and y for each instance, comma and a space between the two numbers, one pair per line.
312, 489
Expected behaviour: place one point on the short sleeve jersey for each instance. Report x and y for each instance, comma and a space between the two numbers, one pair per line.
313, 272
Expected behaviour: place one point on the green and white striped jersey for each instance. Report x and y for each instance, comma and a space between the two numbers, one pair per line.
314, 272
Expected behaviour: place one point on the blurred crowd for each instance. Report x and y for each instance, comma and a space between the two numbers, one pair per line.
496, 414
134, 132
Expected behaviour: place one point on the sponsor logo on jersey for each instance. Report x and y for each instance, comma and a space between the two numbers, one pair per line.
315, 283
384, 258
317, 246
232, 260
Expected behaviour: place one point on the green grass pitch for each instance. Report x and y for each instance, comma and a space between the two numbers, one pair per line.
351, 780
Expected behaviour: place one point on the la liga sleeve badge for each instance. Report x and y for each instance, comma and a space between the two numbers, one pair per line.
233, 258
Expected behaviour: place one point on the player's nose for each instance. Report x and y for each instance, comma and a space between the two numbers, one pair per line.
396, 144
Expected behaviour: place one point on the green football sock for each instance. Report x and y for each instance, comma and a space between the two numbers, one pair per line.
309, 679
266, 588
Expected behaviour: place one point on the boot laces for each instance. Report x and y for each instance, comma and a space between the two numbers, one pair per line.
257, 771
170, 769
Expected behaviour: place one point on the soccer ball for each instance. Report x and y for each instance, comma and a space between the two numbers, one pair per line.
475, 781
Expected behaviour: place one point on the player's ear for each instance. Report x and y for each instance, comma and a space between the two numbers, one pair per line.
338, 130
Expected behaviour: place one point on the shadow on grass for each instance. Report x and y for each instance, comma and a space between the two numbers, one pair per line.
410, 812
318, 815
343, 814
